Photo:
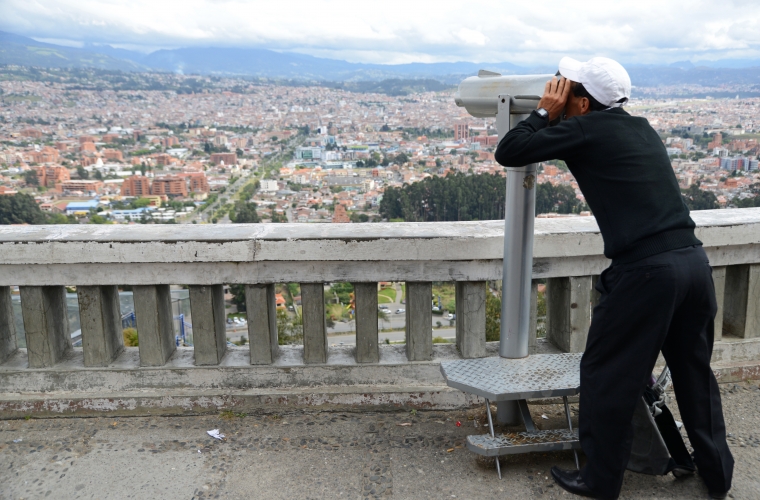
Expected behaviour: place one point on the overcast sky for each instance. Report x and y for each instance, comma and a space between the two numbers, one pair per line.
393, 31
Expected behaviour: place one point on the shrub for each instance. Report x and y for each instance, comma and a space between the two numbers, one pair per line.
130, 337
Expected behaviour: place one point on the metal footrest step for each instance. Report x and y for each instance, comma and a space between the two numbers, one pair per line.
511, 443
501, 379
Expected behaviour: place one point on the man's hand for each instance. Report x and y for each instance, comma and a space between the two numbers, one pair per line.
555, 96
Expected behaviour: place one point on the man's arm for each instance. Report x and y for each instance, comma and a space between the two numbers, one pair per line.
532, 140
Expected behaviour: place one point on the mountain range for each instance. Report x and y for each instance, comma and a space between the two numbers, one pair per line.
263, 63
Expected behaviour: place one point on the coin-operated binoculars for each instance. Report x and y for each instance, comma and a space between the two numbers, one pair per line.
510, 99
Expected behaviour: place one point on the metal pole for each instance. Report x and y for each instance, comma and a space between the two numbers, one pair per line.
519, 215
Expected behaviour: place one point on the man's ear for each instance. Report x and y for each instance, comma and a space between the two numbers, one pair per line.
585, 106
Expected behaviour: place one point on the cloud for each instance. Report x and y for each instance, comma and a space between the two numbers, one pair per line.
642, 31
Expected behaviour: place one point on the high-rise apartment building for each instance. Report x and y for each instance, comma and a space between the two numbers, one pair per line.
137, 185
50, 176
169, 185
461, 131
198, 182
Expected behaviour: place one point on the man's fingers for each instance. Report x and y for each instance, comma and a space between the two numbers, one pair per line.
567, 87
555, 84
548, 87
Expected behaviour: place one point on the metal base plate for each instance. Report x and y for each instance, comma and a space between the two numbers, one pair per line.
511, 443
502, 379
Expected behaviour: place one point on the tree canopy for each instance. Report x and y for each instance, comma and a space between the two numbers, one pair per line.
697, 199
244, 213
459, 197
20, 209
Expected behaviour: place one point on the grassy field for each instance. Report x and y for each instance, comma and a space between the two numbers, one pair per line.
447, 293
389, 294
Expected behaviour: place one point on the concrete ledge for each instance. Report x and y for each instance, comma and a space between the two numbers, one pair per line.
256, 253
125, 388
141, 403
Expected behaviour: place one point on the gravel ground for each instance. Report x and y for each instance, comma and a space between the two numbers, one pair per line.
317, 455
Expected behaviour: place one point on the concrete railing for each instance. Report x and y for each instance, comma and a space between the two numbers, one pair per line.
42, 260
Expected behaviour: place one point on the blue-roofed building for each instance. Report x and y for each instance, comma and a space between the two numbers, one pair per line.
81, 207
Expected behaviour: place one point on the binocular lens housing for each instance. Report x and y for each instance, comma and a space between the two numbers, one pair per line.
478, 94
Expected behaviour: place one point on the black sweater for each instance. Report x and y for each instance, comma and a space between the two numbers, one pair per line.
622, 169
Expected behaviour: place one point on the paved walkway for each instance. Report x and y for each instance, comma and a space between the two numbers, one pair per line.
315, 455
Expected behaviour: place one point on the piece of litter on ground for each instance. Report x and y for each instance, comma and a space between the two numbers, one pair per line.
405, 424
544, 417
449, 450
17, 440
214, 433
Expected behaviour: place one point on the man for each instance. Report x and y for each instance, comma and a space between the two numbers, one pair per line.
657, 295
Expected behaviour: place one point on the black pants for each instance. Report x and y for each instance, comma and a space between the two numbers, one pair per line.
666, 303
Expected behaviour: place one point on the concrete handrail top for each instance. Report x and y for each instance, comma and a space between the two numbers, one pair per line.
405, 241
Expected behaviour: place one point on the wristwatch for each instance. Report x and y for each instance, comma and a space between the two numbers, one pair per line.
542, 113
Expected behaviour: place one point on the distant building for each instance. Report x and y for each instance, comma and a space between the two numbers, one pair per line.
113, 154
340, 215
169, 185
269, 186
461, 131
137, 185
198, 182
227, 158
45, 155
31, 132
486, 140
716, 142
50, 176
308, 153
85, 186
81, 207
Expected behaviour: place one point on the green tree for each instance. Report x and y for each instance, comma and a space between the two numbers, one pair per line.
560, 199
357, 217
30, 178
342, 290
82, 173
697, 199
238, 296
244, 213
20, 209
98, 219
289, 330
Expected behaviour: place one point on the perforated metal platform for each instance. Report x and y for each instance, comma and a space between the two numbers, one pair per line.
502, 379
523, 442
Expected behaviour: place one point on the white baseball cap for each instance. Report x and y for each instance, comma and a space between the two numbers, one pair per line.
606, 80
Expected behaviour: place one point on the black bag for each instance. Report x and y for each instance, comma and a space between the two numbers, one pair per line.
658, 446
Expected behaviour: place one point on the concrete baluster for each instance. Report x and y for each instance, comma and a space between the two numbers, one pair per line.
100, 320
46, 322
8, 345
741, 304
471, 318
419, 320
261, 310
365, 298
155, 327
314, 328
568, 312
209, 323
719, 279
